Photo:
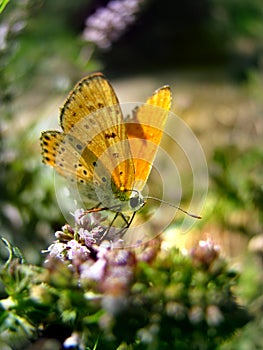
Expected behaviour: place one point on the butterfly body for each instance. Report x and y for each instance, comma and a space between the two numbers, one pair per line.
107, 158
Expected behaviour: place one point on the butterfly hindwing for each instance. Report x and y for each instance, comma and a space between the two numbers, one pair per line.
68, 156
145, 130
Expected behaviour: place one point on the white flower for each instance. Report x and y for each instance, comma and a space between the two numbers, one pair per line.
74, 342
57, 249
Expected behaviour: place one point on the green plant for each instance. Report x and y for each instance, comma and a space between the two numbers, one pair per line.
236, 189
105, 298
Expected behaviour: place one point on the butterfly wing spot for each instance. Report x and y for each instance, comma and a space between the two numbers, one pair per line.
46, 137
91, 108
110, 136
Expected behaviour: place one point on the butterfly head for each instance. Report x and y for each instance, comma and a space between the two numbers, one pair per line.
136, 200
131, 200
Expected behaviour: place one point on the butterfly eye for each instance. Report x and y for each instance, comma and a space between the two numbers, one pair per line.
134, 202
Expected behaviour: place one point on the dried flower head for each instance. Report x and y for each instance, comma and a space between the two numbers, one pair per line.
205, 252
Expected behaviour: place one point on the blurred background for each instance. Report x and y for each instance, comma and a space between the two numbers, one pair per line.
211, 54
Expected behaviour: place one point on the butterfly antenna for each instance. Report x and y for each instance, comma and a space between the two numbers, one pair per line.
174, 206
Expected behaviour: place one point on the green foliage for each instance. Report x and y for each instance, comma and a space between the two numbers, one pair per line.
239, 18
236, 197
28, 203
149, 299
25, 57
3, 4
236, 189
14, 252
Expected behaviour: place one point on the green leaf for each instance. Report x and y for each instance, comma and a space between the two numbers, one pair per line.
3, 4
14, 252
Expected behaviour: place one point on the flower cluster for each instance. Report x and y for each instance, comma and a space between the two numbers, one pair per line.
145, 296
108, 23
78, 244
83, 249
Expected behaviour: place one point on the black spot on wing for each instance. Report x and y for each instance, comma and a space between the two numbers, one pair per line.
110, 135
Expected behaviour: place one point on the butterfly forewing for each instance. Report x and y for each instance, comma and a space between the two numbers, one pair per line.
145, 130
105, 135
90, 94
94, 149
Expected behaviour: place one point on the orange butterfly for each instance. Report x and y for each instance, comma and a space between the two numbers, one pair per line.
108, 157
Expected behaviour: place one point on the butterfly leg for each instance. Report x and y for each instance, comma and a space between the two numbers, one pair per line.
129, 220
96, 206
110, 225
93, 209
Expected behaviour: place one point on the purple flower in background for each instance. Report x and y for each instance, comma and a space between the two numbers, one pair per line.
96, 270
108, 23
